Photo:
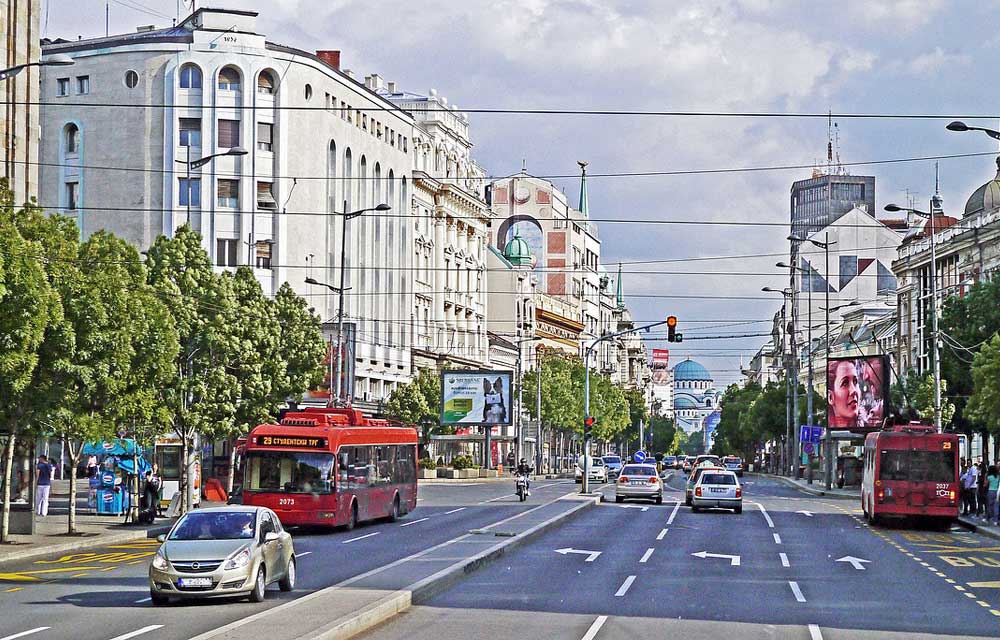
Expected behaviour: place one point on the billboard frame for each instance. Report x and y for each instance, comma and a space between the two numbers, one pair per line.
485, 373
883, 385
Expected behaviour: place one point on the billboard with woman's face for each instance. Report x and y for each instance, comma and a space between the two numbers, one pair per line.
857, 392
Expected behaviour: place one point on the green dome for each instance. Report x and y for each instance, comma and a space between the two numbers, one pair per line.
517, 252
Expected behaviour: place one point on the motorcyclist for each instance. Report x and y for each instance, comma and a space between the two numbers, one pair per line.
523, 469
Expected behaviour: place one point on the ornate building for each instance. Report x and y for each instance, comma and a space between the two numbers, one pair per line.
695, 396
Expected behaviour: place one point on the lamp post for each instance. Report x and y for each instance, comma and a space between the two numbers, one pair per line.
344, 217
55, 60
935, 344
201, 162
791, 378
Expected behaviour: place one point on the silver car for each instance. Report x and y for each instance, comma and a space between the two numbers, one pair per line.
226, 551
639, 481
717, 488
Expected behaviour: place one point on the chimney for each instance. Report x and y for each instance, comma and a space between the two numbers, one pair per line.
391, 87
349, 73
373, 82
330, 57
145, 28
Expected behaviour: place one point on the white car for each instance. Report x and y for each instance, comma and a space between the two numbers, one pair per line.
597, 471
717, 489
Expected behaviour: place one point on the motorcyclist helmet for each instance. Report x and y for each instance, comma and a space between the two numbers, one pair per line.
523, 461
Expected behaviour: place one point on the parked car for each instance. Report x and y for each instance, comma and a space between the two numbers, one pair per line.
596, 471
223, 551
639, 481
613, 464
717, 489
734, 464
693, 480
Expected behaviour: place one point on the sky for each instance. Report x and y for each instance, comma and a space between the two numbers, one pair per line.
914, 57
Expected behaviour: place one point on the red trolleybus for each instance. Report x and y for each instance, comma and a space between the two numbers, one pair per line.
331, 467
911, 470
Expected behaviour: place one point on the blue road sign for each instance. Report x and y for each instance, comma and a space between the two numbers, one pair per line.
810, 433
639, 456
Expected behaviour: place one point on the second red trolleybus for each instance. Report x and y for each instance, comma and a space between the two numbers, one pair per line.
331, 467
911, 470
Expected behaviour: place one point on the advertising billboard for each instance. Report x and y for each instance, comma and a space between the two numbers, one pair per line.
476, 397
661, 366
857, 392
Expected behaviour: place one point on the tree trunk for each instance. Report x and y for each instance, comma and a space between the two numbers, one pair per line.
8, 456
74, 459
186, 475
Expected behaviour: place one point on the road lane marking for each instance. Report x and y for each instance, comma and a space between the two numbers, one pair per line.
784, 560
777, 538
984, 585
361, 537
673, 514
622, 590
79, 575
646, 555
814, 632
304, 553
13, 589
406, 524
138, 632
146, 599
796, 591
448, 513
594, 628
662, 533
25, 633
509, 495
770, 523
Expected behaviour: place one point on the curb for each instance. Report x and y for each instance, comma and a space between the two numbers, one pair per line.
98, 540
989, 532
809, 490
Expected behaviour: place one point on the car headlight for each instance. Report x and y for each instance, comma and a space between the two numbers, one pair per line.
160, 562
239, 559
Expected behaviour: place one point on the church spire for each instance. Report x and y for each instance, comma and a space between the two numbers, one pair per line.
583, 187
619, 290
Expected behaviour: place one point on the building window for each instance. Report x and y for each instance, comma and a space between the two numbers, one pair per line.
190, 192
190, 130
190, 77
264, 131
229, 134
229, 194
309, 92
265, 198
72, 195
72, 139
131, 79
264, 254
225, 252
229, 79
62, 87
265, 83
83, 85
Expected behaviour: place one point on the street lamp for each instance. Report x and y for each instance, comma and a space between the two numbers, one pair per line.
791, 413
344, 217
958, 125
935, 348
199, 163
56, 60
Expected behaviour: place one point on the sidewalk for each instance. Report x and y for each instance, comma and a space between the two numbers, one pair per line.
92, 529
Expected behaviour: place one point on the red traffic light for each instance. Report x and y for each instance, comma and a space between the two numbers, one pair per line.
671, 321
588, 422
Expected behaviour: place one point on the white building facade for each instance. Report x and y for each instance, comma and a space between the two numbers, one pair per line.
316, 140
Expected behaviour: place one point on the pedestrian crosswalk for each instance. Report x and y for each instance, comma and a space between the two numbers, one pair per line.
38, 633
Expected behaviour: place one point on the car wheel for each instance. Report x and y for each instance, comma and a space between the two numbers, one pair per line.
394, 514
687, 501
158, 599
659, 499
619, 499
738, 510
288, 582
353, 521
695, 509
259, 584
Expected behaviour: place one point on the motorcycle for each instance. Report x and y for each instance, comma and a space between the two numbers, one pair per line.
521, 486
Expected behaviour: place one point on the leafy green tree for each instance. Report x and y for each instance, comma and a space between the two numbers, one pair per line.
984, 405
33, 338
202, 399
735, 431
562, 407
419, 402
300, 343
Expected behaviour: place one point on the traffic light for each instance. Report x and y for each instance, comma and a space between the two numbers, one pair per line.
672, 335
588, 422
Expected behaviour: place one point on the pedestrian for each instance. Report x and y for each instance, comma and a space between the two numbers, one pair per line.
91, 466
970, 485
993, 495
43, 486
982, 510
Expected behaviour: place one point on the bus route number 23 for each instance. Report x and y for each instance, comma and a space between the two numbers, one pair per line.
286, 502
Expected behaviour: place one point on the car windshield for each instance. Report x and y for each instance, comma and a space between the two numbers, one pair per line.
208, 525
598, 462
732, 460
290, 472
612, 460
638, 470
718, 478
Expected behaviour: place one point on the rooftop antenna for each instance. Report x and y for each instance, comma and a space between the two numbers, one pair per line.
937, 203
829, 142
836, 149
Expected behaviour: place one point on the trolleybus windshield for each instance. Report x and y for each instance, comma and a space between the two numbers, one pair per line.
290, 472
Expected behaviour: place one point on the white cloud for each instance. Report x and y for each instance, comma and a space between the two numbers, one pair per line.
933, 61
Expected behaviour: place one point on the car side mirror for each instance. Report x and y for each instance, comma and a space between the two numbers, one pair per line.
161, 538
271, 536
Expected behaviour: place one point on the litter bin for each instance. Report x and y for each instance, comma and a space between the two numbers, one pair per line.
22, 519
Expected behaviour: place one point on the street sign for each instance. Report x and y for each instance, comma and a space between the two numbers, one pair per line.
808, 447
810, 433
639, 456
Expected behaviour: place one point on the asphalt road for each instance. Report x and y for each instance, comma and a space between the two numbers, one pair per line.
104, 594
790, 566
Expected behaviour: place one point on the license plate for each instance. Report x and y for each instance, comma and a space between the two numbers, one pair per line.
194, 582
636, 483
717, 490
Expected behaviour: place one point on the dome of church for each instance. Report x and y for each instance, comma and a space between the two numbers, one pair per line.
690, 370
986, 197
517, 252
684, 402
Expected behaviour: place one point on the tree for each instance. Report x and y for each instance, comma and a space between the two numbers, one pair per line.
300, 343
419, 402
984, 405
735, 431
202, 398
34, 338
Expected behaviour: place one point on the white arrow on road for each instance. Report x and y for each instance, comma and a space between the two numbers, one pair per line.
807, 514
857, 563
591, 555
633, 506
733, 560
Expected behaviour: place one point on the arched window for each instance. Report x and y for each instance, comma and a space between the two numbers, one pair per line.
363, 184
377, 180
190, 77
72, 139
265, 83
229, 79
348, 181
331, 175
